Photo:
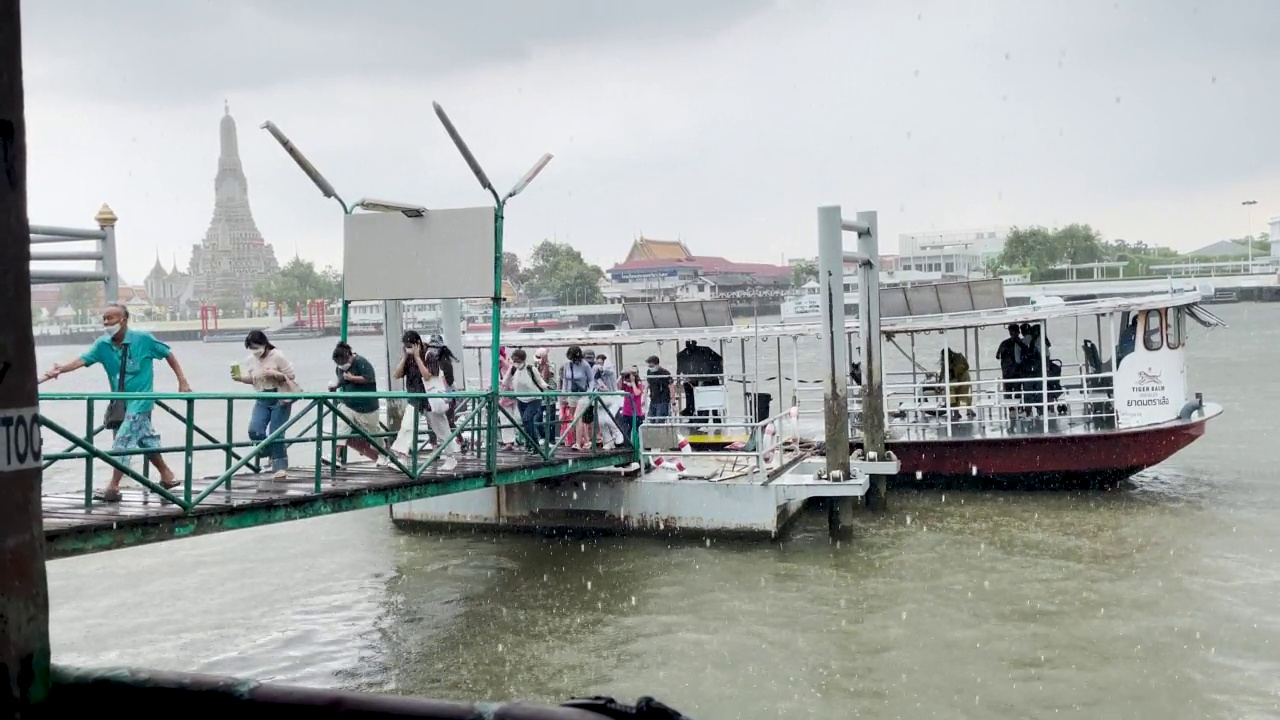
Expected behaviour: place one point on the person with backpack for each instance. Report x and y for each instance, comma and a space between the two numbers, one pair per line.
523, 378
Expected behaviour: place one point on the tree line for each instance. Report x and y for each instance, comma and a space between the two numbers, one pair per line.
1038, 250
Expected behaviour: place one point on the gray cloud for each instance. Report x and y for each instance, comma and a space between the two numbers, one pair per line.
175, 49
724, 122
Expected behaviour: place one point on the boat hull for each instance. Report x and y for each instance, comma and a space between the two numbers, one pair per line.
1097, 457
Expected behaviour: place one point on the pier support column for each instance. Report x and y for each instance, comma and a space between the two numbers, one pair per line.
836, 370
451, 331
24, 590
873, 430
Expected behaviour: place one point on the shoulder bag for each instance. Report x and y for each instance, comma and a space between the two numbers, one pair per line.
114, 416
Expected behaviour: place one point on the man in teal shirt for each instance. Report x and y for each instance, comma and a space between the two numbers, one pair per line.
138, 349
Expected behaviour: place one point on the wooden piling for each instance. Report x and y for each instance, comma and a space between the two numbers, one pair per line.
24, 590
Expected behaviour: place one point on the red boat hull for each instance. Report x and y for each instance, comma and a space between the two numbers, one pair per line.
1097, 456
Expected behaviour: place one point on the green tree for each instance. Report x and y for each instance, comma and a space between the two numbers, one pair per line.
513, 272
82, 298
229, 305
559, 270
1039, 249
1261, 243
802, 271
298, 282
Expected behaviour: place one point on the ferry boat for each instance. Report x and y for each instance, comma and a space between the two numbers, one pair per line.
1085, 418
1123, 404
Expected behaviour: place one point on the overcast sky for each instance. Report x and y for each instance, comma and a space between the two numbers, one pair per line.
722, 122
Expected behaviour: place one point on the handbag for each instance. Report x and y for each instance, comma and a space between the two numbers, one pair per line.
114, 417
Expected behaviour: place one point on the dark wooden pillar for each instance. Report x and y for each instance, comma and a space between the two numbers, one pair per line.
24, 591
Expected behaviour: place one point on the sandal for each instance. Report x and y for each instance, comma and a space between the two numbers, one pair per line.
170, 484
108, 495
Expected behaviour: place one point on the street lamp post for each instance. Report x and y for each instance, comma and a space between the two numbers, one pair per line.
326, 189
1248, 237
500, 203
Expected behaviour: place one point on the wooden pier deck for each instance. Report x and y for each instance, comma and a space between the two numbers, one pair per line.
143, 517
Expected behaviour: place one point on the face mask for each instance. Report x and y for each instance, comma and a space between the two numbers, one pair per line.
257, 351
408, 349
651, 367
345, 367
110, 330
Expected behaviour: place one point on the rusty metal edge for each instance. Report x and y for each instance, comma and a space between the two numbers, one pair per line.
136, 688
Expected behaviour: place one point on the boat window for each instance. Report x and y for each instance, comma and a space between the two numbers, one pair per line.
1153, 338
1175, 334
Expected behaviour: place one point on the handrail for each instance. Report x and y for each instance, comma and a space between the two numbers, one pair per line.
765, 458
312, 411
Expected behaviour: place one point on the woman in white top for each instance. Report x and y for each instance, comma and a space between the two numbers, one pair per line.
524, 378
269, 371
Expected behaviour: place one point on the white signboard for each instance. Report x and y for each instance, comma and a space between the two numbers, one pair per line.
1150, 387
19, 439
443, 254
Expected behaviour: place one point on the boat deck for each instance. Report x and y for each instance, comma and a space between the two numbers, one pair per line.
143, 517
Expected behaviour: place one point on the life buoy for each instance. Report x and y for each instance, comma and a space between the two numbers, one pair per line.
770, 442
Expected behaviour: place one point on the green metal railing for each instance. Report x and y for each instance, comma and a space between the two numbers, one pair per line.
476, 422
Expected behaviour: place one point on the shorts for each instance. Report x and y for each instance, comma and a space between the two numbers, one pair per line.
369, 422
136, 433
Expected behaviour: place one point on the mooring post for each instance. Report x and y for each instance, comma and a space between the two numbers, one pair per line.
836, 370
873, 435
24, 590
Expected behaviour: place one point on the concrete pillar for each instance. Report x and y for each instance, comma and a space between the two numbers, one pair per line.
836, 367
392, 329
24, 590
451, 329
834, 353
873, 431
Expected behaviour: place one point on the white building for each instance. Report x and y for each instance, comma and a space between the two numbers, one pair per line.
953, 252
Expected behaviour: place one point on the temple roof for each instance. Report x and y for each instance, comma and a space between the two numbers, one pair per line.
648, 249
157, 271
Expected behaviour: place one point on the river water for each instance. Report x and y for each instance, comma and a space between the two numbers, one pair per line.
1157, 599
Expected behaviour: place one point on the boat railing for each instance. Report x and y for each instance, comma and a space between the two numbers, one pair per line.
214, 425
930, 400
921, 399
771, 443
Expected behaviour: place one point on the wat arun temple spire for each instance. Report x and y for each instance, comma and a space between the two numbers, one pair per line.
233, 257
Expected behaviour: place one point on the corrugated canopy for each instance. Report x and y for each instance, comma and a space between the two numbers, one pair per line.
671, 315
942, 298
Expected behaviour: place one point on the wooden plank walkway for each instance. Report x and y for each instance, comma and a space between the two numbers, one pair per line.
142, 517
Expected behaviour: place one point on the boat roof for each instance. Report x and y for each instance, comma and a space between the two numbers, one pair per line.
995, 317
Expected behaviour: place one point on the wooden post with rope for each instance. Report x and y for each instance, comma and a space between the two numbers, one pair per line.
24, 590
